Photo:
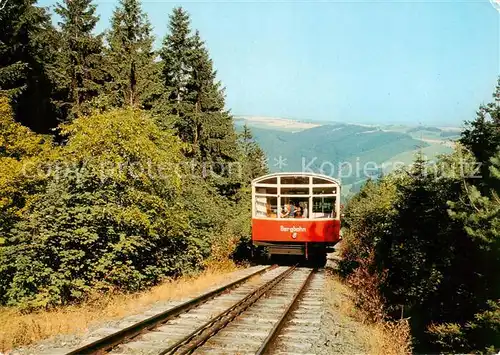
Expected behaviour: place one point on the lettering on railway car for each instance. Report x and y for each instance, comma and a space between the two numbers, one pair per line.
293, 229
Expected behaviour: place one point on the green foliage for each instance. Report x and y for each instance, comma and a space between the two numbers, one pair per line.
331, 145
145, 180
484, 329
130, 58
193, 103
481, 333
78, 69
194, 96
480, 214
26, 43
20, 151
16, 141
428, 237
424, 257
104, 219
212, 135
368, 216
482, 138
449, 337
175, 54
253, 157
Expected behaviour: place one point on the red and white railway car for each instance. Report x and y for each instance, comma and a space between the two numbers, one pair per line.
296, 213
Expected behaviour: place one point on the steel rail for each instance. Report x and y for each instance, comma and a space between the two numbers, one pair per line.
279, 325
107, 343
198, 337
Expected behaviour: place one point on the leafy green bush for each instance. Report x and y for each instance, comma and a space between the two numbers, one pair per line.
428, 245
20, 151
449, 337
119, 200
109, 216
367, 218
484, 329
481, 333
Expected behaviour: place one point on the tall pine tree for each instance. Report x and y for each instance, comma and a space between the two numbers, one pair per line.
26, 37
482, 138
79, 65
212, 130
254, 159
134, 75
175, 54
194, 97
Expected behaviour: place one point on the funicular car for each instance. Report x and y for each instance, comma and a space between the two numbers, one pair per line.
296, 214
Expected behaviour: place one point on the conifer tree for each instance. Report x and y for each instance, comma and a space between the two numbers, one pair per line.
194, 96
130, 57
213, 132
494, 106
175, 53
482, 138
25, 49
253, 156
79, 66
481, 212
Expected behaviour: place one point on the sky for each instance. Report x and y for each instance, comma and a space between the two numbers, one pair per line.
372, 62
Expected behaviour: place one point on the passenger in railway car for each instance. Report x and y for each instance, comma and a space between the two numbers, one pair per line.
305, 211
299, 212
293, 210
284, 211
269, 211
288, 210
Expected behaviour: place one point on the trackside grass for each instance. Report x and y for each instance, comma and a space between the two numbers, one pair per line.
19, 329
378, 338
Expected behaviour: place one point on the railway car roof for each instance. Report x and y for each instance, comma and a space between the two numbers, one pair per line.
297, 174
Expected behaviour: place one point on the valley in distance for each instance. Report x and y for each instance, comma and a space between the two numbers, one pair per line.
351, 152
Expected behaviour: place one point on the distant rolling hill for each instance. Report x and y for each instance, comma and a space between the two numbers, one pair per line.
347, 151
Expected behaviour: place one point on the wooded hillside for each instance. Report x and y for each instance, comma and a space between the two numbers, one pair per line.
424, 243
119, 164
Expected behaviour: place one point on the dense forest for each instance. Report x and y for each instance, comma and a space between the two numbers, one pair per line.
423, 243
119, 164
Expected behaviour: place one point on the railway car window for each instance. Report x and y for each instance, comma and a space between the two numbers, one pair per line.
266, 206
295, 180
295, 190
294, 207
266, 190
317, 180
323, 207
273, 180
324, 190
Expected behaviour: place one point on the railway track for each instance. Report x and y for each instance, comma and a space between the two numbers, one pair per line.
278, 312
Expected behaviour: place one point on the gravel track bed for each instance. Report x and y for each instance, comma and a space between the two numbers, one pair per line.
179, 327
300, 333
63, 343
248, 331
316, 325
339, 333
